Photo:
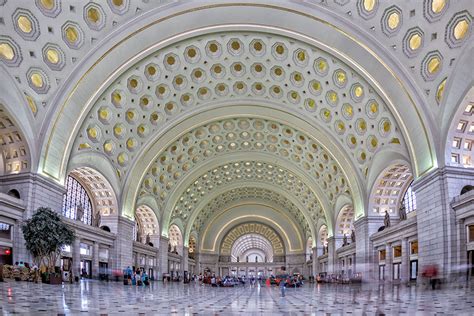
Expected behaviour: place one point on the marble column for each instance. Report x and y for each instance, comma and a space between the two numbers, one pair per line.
95, 260
462, 240
185, 261
76, 257
331, 269
163, 257
362, 248
315, 262
123, 246
388, 262
405, 266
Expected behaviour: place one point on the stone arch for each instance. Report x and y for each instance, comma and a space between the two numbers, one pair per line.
420, 146
459, 149
267, 202
15, 154
389, 189
100, 191
252, 228
251, 243
176, 239
344, 222
234, 172
148, 223
354, 188
322, 236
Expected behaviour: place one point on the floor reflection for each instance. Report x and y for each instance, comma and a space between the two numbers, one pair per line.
96, 297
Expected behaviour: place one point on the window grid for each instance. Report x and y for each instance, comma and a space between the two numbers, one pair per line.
409, 200
76, 195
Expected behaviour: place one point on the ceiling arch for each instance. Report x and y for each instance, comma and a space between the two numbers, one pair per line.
102, 194
234, 240
148, 221
389, 189
233, 213
411, 146
251, 242
236, 194
186, 206
15, 152
459, 150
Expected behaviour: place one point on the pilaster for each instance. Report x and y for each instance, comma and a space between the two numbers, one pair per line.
163, 257
123, 248
331, 255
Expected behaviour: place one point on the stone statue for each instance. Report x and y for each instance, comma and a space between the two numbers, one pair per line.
169, 247
175, 250
238, 259
247, 258
344, 240
96, 219
386, 220
79, 212
147, 240
402, 212
256, 258
353, 236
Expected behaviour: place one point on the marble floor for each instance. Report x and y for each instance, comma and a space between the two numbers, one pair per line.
113, 298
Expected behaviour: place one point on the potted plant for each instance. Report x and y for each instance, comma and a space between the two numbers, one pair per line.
45, 234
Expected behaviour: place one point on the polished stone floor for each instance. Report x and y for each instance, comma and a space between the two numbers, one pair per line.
102, 298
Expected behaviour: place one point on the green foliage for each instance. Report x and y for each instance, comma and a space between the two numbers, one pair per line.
45, 234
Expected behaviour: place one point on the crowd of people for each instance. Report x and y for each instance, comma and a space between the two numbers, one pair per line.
283, 280
137, 277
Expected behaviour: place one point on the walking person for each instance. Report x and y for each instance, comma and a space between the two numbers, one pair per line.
283, 279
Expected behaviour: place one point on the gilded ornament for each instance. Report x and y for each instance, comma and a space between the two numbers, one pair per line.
434, 65
37, 80
393, 20
415, 41
6, 51
461, 29
24, 24
438, 5
52, 55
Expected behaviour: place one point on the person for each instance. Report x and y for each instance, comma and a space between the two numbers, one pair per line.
283, 281
402, 212
386, 220
145, 280
213, 281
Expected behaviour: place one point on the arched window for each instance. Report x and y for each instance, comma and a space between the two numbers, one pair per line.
409, 200
76, 196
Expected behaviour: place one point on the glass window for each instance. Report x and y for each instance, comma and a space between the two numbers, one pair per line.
397, 251
409, 200
104, 253
382, 255
76, 196
85, 250
5, 230
66, 248
414, 247
471, 233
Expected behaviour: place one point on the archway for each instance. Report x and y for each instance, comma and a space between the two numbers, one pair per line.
175, 240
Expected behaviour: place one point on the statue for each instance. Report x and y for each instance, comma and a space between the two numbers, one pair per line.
175, 250
238, 259
79, 212
386, 220
147, 241
96, 219
256, 258
169, 247
344, 240
402, 212
353, 236
247, 258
